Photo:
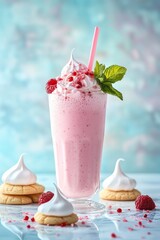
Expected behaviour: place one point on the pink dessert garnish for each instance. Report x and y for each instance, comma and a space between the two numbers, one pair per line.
145, 216
119, 210
51, 85
28, 226
113, 235
26, 218
64, 224
144, 202
45, 197
32, 219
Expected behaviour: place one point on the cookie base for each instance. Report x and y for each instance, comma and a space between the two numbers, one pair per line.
18, 200
54, 220
106, 194
9, 189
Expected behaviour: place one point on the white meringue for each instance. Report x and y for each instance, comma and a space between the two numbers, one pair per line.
119, 180
19, 174
57, 206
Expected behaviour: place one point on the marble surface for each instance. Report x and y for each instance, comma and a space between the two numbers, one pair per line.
125, 225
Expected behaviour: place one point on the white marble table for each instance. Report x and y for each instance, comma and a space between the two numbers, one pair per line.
125, 225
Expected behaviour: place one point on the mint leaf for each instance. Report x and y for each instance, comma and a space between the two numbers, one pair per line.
108, 88
99, 69
114, 73
105, 77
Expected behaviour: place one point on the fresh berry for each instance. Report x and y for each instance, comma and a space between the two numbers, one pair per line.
51, 85
26, 218
45, 197
113, 235
144, 202
119, 210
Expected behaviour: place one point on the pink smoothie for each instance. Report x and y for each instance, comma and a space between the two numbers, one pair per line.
77, 124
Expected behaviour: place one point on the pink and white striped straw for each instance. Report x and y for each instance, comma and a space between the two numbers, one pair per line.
93, 48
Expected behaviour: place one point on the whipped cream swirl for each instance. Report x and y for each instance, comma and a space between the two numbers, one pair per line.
75, 77
57, 206
73, 66
19, 174
119, 180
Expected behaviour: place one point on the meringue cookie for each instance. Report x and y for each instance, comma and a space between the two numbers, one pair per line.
57, 206
119, 180
19, 174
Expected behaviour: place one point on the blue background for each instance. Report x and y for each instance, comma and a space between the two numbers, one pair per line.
36, 38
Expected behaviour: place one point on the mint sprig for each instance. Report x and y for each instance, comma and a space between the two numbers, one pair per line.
105, 77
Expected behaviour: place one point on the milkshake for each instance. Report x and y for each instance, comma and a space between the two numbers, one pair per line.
77, 103
77, 114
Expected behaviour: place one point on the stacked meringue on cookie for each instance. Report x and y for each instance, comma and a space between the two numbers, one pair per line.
57, 211
19, 185
118, 186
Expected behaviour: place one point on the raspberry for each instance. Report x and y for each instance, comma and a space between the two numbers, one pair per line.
119, 210
144, 202
45, 197
51, 85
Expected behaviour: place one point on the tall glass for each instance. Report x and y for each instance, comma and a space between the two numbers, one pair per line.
77, 125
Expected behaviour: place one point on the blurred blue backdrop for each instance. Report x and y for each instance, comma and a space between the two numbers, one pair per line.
36, 41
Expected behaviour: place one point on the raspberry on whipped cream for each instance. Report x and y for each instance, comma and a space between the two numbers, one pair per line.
19, 174
119, 180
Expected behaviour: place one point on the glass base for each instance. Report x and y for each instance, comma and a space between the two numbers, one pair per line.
85, 206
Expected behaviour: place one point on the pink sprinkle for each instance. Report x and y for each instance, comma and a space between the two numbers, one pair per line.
150, 220
125, 220
129, 209
119, 210
32, 219
140, 223
111, 212
145, 216
26, 218
86, 217
113, 235
109, 206
149, 233
130, 229
83, 222
28, 226
9, 221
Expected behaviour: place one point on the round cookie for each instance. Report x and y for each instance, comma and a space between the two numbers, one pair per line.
35, 197
9, 189
54, 220
106, 194
14, 200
